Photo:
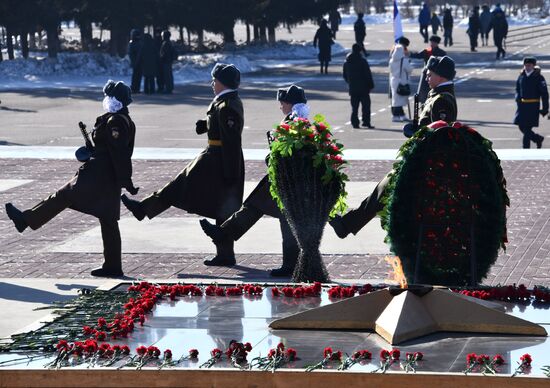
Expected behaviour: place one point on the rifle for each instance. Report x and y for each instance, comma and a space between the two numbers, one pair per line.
416, 114
84, 153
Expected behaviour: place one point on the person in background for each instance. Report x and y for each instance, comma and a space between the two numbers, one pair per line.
134, 50
149, 63
474, 26
95, 188
167, 56
335, 19
424, 20
436, 23
323, 39
360, 30
531, 90
499, 25
448, 27
400, 71
212, 185
358, 76
157, 37
485, 23
432, 50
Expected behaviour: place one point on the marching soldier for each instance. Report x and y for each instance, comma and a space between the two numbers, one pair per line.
440, 105
259, 202
212, 185
530, 90
95, 189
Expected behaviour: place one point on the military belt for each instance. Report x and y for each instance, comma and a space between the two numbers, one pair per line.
529, 100
214, 142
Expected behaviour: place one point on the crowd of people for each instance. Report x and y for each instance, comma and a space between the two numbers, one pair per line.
151, 59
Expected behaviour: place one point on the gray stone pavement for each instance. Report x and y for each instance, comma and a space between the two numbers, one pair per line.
29, 255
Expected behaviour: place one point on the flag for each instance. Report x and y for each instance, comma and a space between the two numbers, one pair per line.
397, 27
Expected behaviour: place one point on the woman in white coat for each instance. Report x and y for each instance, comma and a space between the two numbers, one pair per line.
400, 73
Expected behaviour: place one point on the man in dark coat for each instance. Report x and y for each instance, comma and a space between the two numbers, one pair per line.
260, 202
424, 20
211, 185
323, 38
157, 37
167, 56
360, 30
134, 49
499, 25
531, 89
474, 26
149, 63
433, 50
358, 76
448, 27
485, 23
440, 105
95, 189
335, 19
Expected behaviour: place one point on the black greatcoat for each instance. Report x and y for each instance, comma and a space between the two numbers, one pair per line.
530, 90
96, 187
212, 185
323, 37
358, 75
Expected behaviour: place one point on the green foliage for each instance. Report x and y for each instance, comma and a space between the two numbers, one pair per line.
315, 137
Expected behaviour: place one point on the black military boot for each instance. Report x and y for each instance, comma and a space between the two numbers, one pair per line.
16, 216
339, 227
135, 207
215, 232
539, 141
107, 273
225, 256
291, 251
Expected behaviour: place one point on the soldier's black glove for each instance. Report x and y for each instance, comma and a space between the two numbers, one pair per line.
543, 113
200, 127
131, 189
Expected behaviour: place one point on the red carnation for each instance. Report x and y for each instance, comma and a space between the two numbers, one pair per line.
498, 359
395, 354
418, 356
438, 124
384, 354
291, 354
248, 346
275, 291
141, 350
526, 360
101, 322
100, 336
327, 352
193, 353
167, 354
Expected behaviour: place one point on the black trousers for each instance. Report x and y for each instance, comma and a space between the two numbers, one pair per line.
397, 111
159, 202
448, 35
136, 79
500, 49
149, 84
364, 100
168, 78
424, 32
473, 40
50, 207
245, 218
356, 219
529, 136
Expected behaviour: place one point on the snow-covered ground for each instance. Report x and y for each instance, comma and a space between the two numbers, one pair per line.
93, 69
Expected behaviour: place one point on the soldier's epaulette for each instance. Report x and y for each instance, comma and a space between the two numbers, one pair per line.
223, 104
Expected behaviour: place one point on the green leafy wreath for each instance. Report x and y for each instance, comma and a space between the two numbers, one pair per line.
446, 202
315, 137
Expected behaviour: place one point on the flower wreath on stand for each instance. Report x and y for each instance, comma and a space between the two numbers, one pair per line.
445, 206
308, 183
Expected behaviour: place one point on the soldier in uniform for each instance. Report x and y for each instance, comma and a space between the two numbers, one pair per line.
259, 202
95, 189
211, 185
433, 50
440, 105
530, 90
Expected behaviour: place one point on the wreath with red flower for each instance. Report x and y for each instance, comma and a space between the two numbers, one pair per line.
445, 203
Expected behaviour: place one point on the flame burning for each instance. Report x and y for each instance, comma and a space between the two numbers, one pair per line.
397, 275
